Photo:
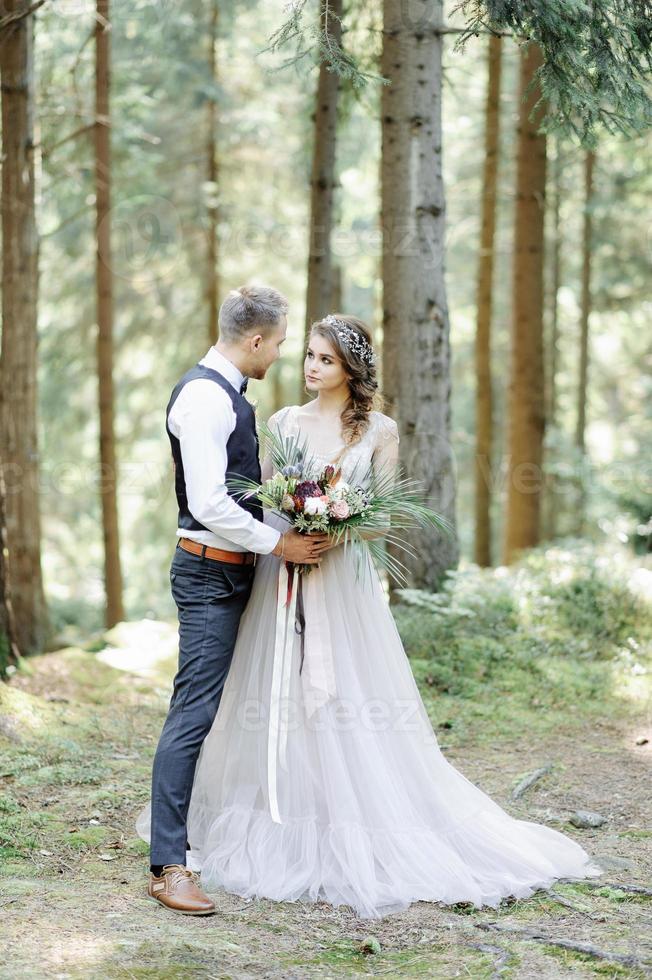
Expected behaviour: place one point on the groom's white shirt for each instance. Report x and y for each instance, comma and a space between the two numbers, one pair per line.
202, 419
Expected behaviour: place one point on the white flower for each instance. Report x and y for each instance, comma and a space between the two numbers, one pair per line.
315, 505
339, 489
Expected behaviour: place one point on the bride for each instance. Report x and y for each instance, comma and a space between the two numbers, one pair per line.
321, 778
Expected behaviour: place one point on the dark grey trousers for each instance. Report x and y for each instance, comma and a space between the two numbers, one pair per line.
211, 597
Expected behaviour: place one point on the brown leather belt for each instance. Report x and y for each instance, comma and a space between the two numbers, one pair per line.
235, 557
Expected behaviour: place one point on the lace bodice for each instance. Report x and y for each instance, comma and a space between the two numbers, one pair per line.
377, 450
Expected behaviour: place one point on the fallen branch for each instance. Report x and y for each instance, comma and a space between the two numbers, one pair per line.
574, 908
634, 889
530, 780
504, 957
625, 959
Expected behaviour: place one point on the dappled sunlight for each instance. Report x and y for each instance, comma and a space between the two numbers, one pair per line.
632, 675
21, 713
74, 950
640, 583
141, 647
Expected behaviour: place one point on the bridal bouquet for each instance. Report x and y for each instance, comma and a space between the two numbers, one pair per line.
358, 512
317, 499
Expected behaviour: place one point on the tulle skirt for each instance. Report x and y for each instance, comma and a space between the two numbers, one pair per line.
372, 815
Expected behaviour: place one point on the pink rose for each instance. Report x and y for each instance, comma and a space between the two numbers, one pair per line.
340, 510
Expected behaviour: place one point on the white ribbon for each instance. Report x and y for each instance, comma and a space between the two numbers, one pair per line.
317, 674
283, 645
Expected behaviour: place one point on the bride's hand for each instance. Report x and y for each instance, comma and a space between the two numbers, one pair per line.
330, 542
301, 549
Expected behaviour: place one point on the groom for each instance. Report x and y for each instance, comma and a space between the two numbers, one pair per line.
212, 432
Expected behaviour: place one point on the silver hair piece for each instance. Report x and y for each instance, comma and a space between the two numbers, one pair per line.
351, 338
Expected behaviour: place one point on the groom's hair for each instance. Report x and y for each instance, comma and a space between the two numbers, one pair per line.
250, 308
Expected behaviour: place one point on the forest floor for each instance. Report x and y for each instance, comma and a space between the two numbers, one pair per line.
77, 733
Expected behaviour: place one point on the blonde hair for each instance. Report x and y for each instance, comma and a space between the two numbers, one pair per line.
250, 308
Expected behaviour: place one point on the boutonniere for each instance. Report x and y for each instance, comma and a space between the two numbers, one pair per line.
254, 405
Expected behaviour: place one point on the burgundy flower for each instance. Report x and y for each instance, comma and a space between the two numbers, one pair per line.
305, 489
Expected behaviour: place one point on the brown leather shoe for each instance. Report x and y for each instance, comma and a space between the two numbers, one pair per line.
178, 890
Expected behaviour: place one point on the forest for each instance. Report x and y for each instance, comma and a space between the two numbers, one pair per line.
472, 179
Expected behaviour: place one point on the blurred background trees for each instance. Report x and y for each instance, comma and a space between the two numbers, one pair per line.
514, 335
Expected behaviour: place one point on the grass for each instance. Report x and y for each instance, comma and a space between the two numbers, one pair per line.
543, 657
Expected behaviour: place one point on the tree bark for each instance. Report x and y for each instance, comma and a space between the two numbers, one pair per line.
416, 348
585, 310
212, 277
18, 355
550, 509
104, 283
589, 163
322, 180
526, 408
484, 399
337, 290
9, 646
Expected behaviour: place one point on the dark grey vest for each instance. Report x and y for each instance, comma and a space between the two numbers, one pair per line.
241, 448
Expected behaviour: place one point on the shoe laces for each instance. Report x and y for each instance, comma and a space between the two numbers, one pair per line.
179, 871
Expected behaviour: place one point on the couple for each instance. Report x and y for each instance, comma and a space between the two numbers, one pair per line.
347, 798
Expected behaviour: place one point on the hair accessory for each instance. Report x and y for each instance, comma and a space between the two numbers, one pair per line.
351, 338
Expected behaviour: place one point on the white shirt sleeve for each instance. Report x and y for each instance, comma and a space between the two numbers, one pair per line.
202, 419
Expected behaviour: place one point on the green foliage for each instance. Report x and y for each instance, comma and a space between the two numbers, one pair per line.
528, 628
597, 58
77, 612
160, 86
314, 41
393, 503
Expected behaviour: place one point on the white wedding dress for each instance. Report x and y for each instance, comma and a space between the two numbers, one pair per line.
347, 798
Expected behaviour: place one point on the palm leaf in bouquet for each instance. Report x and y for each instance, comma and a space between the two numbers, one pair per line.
392, 503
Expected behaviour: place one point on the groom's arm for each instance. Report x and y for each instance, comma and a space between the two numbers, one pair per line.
202, 418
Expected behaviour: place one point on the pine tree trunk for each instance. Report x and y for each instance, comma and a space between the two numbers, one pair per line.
9, 646
589, 163
212, 277
416, 349
484, 400
104, 282
18, 356
336, 304
550, 509
526, 408
322, 180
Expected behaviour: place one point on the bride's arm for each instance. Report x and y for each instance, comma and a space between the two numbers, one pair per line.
267, 466
384, 463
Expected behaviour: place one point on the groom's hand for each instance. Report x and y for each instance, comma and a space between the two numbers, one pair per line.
302, 549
